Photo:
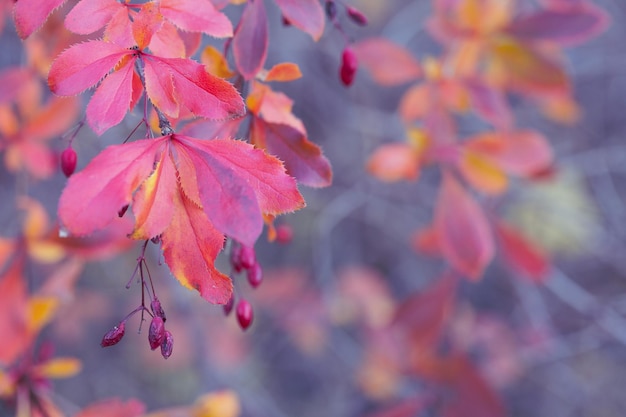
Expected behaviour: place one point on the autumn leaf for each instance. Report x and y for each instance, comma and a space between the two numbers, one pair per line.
30, 15
463, 231
520, 254
387, 62
160, 178
251, 40
306, 15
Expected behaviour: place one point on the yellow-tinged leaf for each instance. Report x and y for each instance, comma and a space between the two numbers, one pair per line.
394, 162
215, 62
9, 125
45, 251
432, 69
286, 71
217, 404
41, 309
483, 174
36, 218
59, 368
418, 139
6, 385
464, 59
562, 109
469, 14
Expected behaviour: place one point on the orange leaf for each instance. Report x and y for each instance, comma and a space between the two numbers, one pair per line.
463, 230
59, 368
285, 71
215, 62
483, 174
394, 162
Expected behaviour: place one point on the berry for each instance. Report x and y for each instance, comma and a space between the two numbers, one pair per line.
235, 257
122, 211
245, 314
247, 257
167, 345
284, 233
228, 307
157, 310
255, 275
356, 16
349, 65
68, 161
156, 334
114, 335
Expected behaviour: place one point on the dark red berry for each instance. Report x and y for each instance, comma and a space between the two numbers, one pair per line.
122, 211
247, 257
114, 335
167, 345
349, 65
331, 9
157, 310
356, 16
228, 307
156, 333
245, 314
255, 275
68, 161
235, 257
286, 21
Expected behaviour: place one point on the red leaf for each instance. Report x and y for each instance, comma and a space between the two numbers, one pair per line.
30, 15
520, 254
570, 26
306, 15
111, 101
251, 40
83, 65
13, 326
191, 86
394, 162
303, 159
90, 15
387, 62
463, 231
197, 16
422, 316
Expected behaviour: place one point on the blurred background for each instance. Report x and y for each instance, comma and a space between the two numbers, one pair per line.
557, 349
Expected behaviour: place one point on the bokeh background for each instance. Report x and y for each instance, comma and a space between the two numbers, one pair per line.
554, 350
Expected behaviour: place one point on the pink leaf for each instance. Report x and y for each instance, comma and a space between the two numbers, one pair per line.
302, 158
387, 62
490, 103
83, 65
251, 39
197, 16
463, 231
90, 15
190, 245
30, 15
111, 101
201, 93
93, 197
306, 15
569, 26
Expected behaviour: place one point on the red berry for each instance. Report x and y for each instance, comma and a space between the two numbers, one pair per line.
248, 257
356, 16
286, 21
228, 307
255, 275
235, 257
156, 333
167, 345
349, 65
245, 314
284, 233
114, 335
68, 161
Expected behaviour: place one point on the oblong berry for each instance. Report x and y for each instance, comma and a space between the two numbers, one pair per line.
168, 345
349, 65
247, 257
68, 161
113, 336
255, 275
356, 16
157, 309
245, 314
228, 307
156, 333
